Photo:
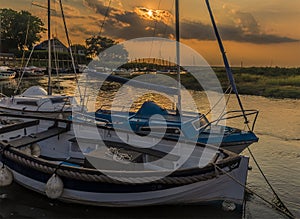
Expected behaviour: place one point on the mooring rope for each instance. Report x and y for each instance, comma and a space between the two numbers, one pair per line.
278, 201
284, 211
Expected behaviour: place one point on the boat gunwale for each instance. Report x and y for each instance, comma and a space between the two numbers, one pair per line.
230, 161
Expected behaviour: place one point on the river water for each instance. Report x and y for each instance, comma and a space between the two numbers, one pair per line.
277, 152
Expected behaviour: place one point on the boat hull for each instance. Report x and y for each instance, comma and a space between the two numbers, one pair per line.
218, 188
48, 114
7, 75
237, 147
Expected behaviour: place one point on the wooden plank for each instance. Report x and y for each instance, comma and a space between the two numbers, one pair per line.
18, 126
31, 139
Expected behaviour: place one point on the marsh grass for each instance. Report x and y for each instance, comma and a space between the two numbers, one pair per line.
269, 82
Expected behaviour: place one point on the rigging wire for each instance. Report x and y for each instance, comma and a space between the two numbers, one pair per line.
21, 77
229, 90
165, 31
154, 31
56, 63
27, 33
56, 57
70, 48
23, 55
105, 17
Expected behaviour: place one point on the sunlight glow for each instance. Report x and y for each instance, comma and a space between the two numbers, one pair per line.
154, 15
150, 13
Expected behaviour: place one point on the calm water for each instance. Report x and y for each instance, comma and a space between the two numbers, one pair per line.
278, 153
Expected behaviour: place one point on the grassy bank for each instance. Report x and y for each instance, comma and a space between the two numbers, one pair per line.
269, 82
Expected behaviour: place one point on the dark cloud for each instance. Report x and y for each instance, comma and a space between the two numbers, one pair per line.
68, 16
80, 30
200, 31
98, 6
129, 24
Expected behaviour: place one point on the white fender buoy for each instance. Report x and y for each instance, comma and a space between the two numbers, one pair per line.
35, 150
54, 187
26, 150
3, 196
6, 176
228, 206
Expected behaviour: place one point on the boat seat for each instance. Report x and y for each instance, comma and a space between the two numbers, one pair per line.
18, 126
34, 138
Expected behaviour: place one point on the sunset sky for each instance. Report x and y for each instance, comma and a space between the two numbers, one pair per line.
257, 33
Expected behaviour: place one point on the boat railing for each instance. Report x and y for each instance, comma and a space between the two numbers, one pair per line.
88, 118
39, 106
238, 114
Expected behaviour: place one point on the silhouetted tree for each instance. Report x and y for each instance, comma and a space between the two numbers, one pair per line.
14, 27
97, 44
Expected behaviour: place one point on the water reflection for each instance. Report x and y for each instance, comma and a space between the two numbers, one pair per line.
278, 152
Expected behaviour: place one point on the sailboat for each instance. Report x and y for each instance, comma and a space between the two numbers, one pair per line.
36, 100
230, 138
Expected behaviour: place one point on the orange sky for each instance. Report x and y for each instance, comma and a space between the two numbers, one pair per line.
260, 33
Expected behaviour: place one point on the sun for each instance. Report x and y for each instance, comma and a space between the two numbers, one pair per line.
150, 13
154, 15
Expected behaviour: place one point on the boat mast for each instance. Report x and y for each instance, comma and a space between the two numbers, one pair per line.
0, 33
49, 49
178, 54
225, 60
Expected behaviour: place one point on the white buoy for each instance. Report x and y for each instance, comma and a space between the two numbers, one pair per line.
35, 150
228, 206
6, 176
3, 196
54, 187
26, 150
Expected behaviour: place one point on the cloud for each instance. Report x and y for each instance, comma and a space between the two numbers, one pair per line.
245, 32
99, 7
80, 30
70, 12
133, 24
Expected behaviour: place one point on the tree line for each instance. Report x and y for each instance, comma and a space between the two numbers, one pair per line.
20, 31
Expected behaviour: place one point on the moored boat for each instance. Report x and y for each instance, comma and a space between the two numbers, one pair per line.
36, 101
47, 159
229, 138
6, 73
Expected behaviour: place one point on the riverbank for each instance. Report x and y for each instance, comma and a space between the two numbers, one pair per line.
268, 82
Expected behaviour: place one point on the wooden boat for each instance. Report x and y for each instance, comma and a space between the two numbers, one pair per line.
43, 156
